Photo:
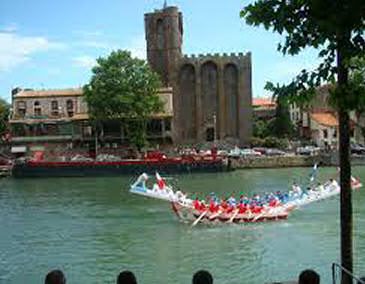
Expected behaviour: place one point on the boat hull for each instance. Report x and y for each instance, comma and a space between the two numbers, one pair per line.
189, 214
132, 167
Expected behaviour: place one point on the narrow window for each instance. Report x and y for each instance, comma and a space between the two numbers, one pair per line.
325, 134
70, 108
22, 109
37, 108
54, 108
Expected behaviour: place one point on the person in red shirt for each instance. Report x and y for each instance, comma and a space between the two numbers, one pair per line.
196, 204
224, 204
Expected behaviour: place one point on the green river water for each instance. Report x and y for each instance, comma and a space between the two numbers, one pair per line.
91, 228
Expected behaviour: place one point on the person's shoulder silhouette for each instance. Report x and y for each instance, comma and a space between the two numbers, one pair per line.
126, 277
309, 276
202, 277
55, 277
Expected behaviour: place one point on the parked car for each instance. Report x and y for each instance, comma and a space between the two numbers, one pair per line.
274, 152
250, 152
357, 148
237, 152
262, 150
308, 150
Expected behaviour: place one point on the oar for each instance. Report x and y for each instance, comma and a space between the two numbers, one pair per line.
200, 217
259, 216
215, 215
233, 216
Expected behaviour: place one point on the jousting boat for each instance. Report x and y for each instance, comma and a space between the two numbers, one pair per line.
275, 208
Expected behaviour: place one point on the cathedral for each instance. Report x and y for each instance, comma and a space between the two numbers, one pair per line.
212, 93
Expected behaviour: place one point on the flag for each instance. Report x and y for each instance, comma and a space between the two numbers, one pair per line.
314, 171
160, 181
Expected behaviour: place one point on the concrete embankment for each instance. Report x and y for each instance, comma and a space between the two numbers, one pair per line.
291, 161
274, 162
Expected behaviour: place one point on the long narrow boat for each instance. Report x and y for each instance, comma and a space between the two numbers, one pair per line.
186, 209
166, 165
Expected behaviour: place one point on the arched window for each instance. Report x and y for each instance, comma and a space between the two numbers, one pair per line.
37, 108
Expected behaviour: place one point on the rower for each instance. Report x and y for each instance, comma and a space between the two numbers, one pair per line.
333, 184
232, 201
320, 187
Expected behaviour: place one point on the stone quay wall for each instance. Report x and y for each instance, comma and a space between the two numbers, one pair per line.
274, 162
291, 161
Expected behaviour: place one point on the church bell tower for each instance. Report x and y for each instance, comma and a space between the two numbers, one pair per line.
164, 32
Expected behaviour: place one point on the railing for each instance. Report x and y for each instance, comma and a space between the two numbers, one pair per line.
340, 270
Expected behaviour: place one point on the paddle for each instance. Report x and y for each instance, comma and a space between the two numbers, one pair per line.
233, 216
215, 215
200, 217
260, 215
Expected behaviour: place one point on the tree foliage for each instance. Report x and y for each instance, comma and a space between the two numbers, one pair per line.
336, 29
281, 125
4, 116
125, 88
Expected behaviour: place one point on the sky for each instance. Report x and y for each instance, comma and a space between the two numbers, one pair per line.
53, 44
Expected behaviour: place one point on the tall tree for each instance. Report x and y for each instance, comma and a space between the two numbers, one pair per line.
336, 29
125, 88
281, 125
4, 116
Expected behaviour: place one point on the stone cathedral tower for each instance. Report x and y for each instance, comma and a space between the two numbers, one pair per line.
164, 32
211, 92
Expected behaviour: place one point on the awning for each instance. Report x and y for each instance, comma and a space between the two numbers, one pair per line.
18, 149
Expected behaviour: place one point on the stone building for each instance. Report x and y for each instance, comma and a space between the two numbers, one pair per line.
211, 93
42, 117
44, 120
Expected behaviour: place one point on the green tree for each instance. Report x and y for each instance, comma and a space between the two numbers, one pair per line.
336, 29
281, 126
4, 116
125, 88
357, 78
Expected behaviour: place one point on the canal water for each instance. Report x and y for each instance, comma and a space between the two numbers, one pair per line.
91, 228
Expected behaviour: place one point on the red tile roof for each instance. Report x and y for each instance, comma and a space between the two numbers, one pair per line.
48, 93
325, 118
263, 102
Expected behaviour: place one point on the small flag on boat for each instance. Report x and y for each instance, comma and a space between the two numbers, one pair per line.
314, 171
160, 181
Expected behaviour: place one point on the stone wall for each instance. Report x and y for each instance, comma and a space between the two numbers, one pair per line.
275, 162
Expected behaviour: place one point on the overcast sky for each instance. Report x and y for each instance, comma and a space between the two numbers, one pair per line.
54, 44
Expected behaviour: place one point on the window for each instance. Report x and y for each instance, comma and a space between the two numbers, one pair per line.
54, 108
22, 109
37, 108
325, 134
168, 124
70, 108
210, 134
335, 133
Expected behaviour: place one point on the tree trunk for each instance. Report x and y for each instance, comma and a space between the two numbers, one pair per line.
345, 165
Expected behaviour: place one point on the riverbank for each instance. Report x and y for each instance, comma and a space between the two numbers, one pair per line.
289, 161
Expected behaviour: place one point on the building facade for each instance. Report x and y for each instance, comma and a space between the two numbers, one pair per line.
58, 119
211, 93
318, 121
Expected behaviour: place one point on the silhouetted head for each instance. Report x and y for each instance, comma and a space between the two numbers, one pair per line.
126, 277
309, 276
202, 277
55, 277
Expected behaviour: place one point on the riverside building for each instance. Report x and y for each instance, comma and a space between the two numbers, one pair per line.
58, 120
